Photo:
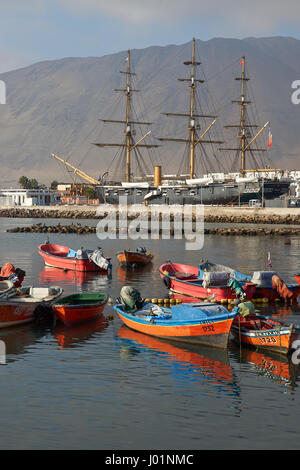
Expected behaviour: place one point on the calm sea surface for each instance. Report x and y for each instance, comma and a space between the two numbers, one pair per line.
103, 386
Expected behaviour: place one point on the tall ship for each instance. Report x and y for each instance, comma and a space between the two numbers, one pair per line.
239, 186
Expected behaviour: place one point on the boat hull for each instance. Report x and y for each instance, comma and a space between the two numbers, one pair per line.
272, 295
193, 287
19, 309
214, 334
56, 256
78, 310
277, 339
12, 314
132, 258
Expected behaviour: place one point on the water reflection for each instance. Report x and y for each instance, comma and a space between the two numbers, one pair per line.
68, 337
280, 309
69, 280
18, 340
207, 366
279, 368
128, 274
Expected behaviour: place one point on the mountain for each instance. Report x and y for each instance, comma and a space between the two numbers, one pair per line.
57, 106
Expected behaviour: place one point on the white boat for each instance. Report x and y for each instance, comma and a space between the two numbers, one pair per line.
18, 306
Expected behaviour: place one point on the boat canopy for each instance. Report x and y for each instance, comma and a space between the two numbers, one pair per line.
207, 266
199, 311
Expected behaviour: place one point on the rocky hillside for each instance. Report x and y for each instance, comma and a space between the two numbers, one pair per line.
57, 106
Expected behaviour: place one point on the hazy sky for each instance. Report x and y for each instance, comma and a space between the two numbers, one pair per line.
35, 30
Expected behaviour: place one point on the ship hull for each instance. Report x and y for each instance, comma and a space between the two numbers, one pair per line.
271, 189
218, 193
212, 194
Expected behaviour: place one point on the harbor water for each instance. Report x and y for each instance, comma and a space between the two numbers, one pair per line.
102, 386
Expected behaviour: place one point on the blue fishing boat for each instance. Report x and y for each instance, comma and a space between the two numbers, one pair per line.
200, 323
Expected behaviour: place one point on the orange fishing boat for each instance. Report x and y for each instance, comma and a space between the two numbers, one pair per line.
202, 323
77, 308
130, 258
265, 333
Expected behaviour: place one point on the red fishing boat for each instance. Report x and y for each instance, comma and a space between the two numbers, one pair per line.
264, 333
78, 308
63, 257
130, 258
18, 306
185, 279
268, 285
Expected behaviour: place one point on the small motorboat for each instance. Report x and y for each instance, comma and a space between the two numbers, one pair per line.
63, 257
130, 258
196, 323
190, 281
18, 306
9, 273
77, 308
268, 285
264, 333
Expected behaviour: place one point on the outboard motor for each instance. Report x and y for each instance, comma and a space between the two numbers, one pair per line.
130, 298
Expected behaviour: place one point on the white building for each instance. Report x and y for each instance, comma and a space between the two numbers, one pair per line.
28, 197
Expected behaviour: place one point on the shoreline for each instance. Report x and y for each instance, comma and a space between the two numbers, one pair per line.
212, 214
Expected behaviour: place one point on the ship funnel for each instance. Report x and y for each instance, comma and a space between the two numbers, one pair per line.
157, 176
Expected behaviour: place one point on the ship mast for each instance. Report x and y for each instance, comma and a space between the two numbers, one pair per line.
193, 139
129, 144
243, 125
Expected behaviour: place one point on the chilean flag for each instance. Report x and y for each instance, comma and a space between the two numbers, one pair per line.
270, 139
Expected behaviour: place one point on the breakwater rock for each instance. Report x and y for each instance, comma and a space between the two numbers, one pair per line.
43, 213
211, 214
86, 229
58, 228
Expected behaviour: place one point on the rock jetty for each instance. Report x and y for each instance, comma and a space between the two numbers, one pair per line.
86, 229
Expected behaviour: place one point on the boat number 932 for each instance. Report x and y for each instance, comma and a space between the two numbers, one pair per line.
208, 328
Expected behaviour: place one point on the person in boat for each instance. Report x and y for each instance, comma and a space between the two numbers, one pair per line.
281, 288
10, 273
